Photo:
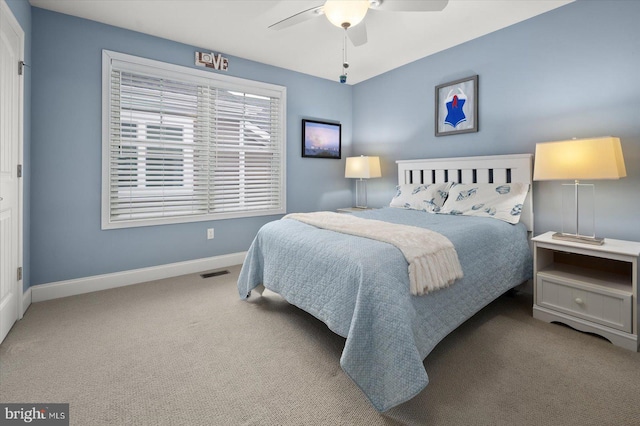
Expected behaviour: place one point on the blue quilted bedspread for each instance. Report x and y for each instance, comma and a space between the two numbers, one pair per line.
360, 289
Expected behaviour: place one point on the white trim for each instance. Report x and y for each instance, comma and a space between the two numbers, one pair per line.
6, 10
26, 301
59, 289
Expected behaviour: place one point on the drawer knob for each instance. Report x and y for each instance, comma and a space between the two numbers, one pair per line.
579, 301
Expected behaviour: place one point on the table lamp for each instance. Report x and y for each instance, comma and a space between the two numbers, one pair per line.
577, 159
362, 168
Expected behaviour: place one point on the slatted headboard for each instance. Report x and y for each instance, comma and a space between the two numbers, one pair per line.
486, 169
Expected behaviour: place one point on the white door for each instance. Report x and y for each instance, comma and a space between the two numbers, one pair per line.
11, 51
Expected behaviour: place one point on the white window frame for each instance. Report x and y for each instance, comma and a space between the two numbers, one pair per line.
227, 83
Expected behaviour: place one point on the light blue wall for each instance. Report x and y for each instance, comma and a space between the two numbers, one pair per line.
572, 72
66, 239
22, 12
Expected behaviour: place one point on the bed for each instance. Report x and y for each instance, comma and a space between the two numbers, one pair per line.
359, 287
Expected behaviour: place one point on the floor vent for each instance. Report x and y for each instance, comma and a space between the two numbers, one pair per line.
214, 274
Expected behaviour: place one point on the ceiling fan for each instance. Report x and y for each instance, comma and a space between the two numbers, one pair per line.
348, 14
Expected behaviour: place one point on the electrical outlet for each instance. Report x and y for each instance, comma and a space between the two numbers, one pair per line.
210, 234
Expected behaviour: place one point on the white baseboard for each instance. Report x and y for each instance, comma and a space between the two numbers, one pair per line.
26, 301
41, 292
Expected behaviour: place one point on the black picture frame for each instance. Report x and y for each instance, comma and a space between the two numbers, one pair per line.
456, 107
321, 139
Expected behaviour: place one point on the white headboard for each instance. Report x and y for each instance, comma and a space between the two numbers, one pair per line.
486, 169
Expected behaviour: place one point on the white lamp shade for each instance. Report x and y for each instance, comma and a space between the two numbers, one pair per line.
351, 12
362, 167
595, 158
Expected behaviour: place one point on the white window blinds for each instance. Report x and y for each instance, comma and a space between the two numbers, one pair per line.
182, 145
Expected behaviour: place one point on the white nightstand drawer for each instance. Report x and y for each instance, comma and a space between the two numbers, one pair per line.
598, 304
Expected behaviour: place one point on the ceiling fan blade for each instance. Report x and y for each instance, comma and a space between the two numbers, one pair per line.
358, 34
409, 5
305, 15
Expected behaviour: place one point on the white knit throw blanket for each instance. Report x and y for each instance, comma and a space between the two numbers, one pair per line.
433, 261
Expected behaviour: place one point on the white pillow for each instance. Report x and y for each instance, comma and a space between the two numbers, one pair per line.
429, 198
498, 200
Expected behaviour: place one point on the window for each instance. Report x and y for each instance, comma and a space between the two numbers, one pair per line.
184, 145
144, 161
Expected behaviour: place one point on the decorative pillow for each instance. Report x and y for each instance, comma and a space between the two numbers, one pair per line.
429, 198
498, 200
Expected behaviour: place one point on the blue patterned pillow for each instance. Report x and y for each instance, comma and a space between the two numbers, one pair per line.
498, 200
429, 198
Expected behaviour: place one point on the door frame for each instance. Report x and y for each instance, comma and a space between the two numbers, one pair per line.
15, 25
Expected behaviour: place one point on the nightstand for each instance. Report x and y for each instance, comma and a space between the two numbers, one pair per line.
590, 288
353, 209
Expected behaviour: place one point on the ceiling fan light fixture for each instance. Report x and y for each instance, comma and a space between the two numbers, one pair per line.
346, 13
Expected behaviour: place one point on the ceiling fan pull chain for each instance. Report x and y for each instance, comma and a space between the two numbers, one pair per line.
345, 64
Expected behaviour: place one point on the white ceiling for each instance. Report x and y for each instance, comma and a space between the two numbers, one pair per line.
240, 28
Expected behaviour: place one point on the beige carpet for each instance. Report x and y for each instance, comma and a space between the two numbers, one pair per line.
187, 351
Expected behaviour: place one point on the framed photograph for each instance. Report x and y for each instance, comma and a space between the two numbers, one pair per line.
457, 107
321, 139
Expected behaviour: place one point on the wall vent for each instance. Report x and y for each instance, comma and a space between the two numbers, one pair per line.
214, 274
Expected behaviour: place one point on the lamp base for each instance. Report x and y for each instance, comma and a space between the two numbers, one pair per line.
361, 194
596, 241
